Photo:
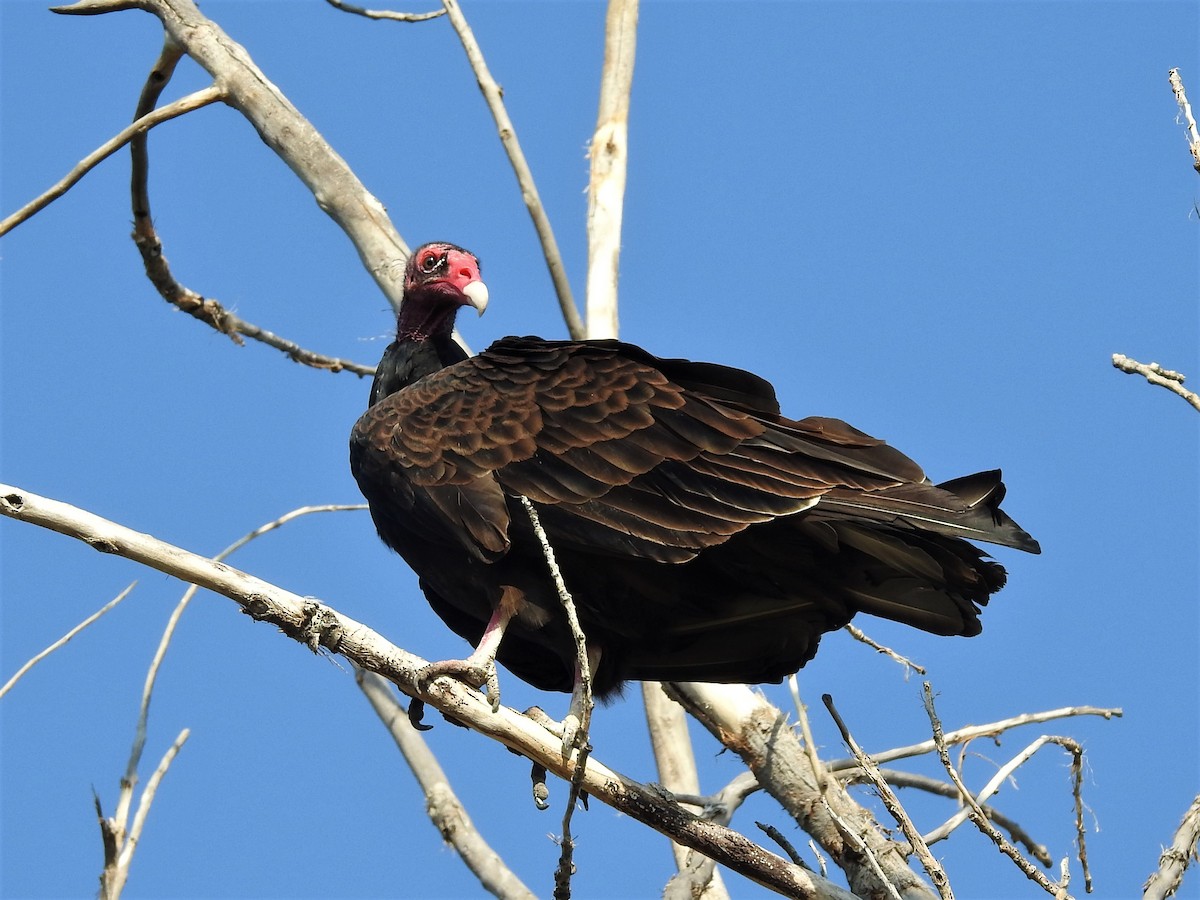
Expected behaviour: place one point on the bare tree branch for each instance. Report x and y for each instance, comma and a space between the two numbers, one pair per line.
696, 875
335, 187
1156, 374
579, 719
29, 664
757, 731
969, 733
385, 13
117, 864
529, 193
932, 867
609, 155
1185, 110
444, 808
976, 813
145, 237
1175, 859
144, 123
322, 628
859, 635
898, 778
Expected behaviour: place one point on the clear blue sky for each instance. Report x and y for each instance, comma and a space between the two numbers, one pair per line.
934, 220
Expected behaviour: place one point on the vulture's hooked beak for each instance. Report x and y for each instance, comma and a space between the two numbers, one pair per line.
476, 293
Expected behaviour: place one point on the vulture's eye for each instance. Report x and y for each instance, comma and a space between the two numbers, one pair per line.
430, 262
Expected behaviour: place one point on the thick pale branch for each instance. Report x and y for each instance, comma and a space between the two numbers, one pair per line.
335, 187
609, 157
757, 731
323, 628
444, 808
141, 125
1175, 859
493, 95
667, 724
1156, 374
1185, 110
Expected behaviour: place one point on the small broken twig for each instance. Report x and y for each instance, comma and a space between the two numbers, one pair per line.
859, 635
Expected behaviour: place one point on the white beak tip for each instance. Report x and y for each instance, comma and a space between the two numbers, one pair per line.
477, 294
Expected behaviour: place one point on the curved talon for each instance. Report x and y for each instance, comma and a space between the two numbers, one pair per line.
541, 793
416, 712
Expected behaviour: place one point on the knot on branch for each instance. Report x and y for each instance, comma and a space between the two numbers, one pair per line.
320, 628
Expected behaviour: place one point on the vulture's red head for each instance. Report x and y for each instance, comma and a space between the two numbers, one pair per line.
438, 279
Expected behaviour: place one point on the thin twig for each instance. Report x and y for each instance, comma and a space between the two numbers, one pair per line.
148, 794
335, 187
119, 845
142, 124
1174, 861
1156, 374
146, 238
1185, 109
8, 685
583, 693
892, 803
283, 520
970, 732
976, 813
389, 14
1005, 772
609, 156
493, 95
129, 781
777, 836
859, 635
902, 779
862, 847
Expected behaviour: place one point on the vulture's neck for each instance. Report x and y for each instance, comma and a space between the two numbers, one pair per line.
408, 360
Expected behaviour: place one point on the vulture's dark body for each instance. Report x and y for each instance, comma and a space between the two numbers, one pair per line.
703, 536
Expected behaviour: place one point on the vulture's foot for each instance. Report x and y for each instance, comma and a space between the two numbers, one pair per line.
469, 672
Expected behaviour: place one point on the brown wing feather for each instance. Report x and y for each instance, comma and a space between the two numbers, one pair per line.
605, 433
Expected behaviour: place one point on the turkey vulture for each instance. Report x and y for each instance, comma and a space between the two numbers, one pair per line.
703, 535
